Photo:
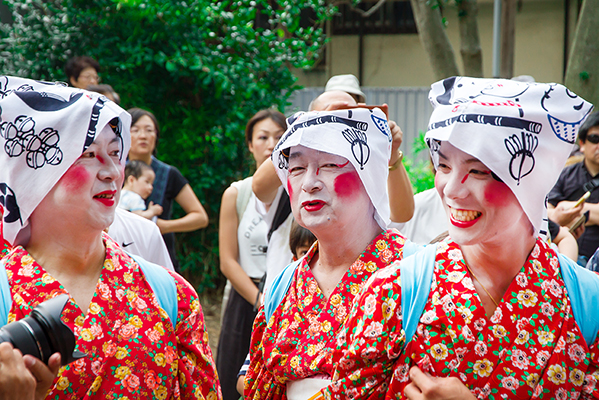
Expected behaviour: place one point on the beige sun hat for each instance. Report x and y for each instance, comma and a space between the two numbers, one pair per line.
346, 83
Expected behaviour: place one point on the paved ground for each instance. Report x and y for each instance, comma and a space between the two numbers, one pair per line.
211, 306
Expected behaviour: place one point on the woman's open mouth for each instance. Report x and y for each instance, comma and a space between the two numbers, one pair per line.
463, 218
106, 198
312, 206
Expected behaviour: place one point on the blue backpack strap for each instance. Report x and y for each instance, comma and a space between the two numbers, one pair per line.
5, 294
278, 289
416, 278
583, 291
163, 285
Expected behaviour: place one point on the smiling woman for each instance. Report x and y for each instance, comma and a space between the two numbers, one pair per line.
499, 314
141, 327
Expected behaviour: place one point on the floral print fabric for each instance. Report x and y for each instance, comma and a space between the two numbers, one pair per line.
298, 340
132, 350
531, 347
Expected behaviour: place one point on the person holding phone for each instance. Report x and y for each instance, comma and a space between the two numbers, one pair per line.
564, 206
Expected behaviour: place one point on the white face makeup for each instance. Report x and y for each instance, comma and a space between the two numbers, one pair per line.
480, 209
87, 194
325, 190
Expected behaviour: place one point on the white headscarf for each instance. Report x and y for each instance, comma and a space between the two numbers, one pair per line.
359, 135
44, 129
523, 132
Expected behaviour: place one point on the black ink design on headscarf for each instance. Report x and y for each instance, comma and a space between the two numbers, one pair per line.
116, 126
448, 86
495, 120
93, 122
42, 101
383, 125
8, 201
319, 121
284, 159
20, 137
522, 149
359, 145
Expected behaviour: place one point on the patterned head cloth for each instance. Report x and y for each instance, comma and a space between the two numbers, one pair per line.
523, 132
44, 128
359, 135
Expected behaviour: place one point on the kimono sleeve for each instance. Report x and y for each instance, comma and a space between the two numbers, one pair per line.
370, 342
590, 389
259, 381
197, 372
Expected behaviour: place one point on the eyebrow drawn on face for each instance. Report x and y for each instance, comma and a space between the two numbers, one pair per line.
467, 161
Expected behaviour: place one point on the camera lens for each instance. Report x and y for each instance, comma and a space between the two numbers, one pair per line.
42, 333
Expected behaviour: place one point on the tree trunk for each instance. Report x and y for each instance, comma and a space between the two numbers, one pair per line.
470, 50
582, 75
508, 38
434, 39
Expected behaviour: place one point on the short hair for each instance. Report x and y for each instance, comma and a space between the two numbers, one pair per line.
270, 113
137, 113
136, 168
299, 236
591, 122
77, 64
105, 90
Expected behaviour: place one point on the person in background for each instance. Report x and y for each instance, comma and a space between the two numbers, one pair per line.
300, 240
492, 311
139, 178
169, 184
242, 249
571, 186
82, 71
140, 326
107, 91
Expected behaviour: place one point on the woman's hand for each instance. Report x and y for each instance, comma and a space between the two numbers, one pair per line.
16, 382
43, 374
424, 386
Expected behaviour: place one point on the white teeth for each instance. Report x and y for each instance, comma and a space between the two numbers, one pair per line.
464, 215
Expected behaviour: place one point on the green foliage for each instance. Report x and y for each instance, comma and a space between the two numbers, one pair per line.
420, 171
203, 67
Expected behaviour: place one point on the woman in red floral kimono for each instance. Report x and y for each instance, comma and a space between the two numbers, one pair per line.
339, 194
501, 318
62, 158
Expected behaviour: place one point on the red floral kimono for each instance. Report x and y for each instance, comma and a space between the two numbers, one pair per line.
132, 349
297, 341
531, 347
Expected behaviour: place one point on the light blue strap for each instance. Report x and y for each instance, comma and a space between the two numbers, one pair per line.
410, 248
277, 291
163, 285
416, 278
583, 291
6, 295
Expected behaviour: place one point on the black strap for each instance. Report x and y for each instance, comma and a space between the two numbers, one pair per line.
281, 214
591, 185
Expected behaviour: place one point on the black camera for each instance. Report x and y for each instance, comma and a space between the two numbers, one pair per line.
42, 333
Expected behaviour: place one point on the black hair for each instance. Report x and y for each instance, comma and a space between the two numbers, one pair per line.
137, 113
299, 236
270, 113
591, 122
135, 168
105, 90
77, 64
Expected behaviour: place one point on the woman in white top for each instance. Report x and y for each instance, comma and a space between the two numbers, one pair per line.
242, 245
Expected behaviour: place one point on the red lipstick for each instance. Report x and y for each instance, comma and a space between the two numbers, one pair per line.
312, 206
106, 197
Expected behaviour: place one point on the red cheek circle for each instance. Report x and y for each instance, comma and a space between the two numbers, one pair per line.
497, 193
75, 178
289, 189
347, 184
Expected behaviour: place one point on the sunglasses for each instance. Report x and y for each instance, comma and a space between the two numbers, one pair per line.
593, 139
